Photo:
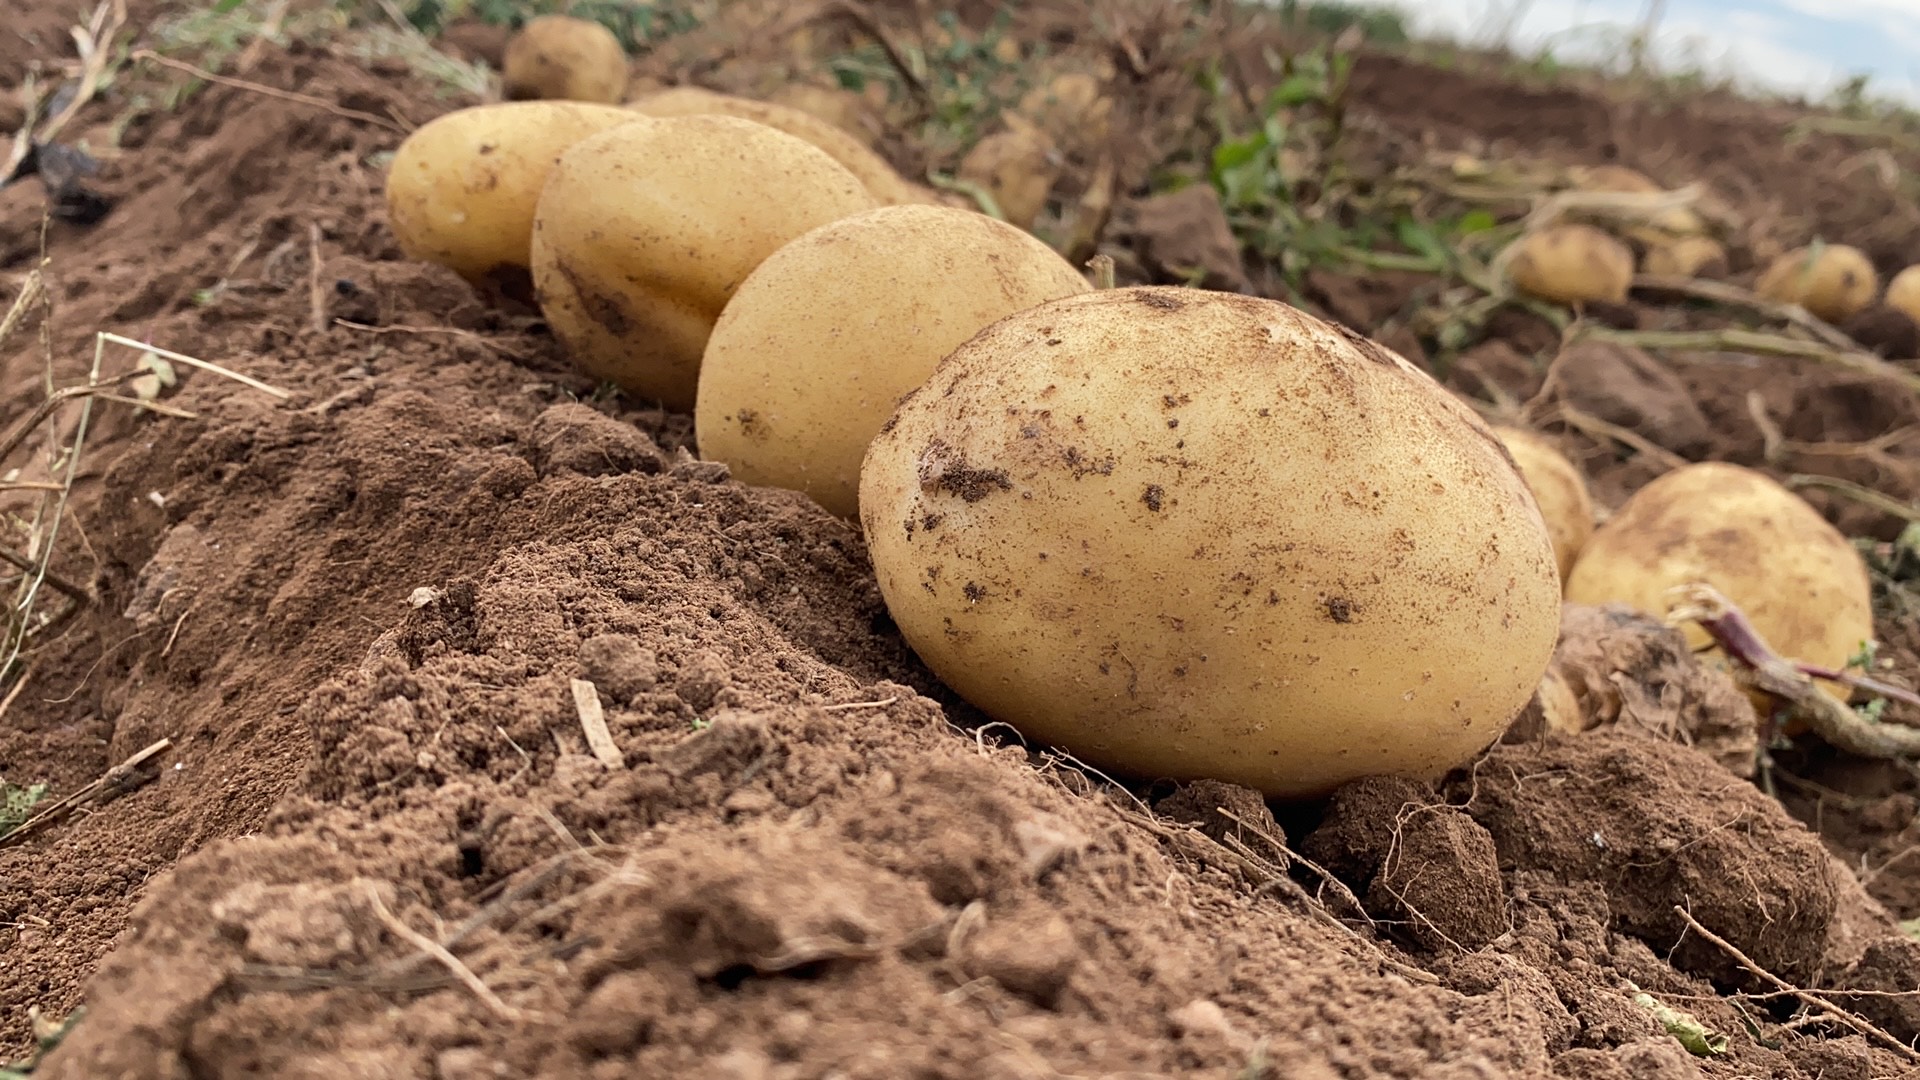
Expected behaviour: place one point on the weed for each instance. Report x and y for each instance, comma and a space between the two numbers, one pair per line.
17, 803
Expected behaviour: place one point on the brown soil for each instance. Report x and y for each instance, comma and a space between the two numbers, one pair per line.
359, 615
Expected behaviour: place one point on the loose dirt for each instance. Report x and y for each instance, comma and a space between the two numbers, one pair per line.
383, 845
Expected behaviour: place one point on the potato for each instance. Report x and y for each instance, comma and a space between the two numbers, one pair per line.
797, 379
1018, 166
1571, 264
1559, 489
840, 107
1194, 534
1069, 107
1834, 282
643, 233
873, 170
461, 189
1903, 293
1795, 576
1688, 257
1669, 224
560, 57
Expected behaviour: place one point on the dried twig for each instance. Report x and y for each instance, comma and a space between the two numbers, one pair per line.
227, 373
1735, 296
115, 782
268, 91
593, 720
439, 953
1859, 493
316, 292
1792, 682
1748, 341
854, 705
1805, 997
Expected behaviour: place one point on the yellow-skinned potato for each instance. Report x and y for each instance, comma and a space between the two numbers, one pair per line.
797, 378
857, 157
1069, 107
1559, 489
1795, 576
1572, 264
838, 106
1665, 225
1835, 282
462, 188
1018, 166
559, 57
1185, 533
644, 232
1688, 257
1903, 293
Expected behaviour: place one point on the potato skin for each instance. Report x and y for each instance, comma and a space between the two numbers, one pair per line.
1903, 292
1196, 534
887, 185
1572, 264
1687, 256
643, 233
461, 189
797, 378
1018, 165
1558, 488
560, 57
1794, 575
1834, 284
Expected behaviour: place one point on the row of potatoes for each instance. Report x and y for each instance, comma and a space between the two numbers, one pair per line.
1576, 263
1177, 532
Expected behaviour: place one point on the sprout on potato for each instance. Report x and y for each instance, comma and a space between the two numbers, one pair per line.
644, 231
1832, 281
886, 184
1571, 264
1559, 489
1189, 534
797, 378
461, 189
560, 57
1797, 578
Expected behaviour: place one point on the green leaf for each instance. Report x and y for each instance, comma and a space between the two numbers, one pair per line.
1476, 221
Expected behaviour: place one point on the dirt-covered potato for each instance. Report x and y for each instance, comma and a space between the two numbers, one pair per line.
461, 189
1070, 107
644, 232
559, 57
1664, 225
844, 109
1193, 534
1797, 578
881, 178
798, 378
1832, 281
1903, 293
1688, 257
1559, 489
1018, 166
1572, 264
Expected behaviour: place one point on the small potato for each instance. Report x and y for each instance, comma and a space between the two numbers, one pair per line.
462, 188
1070, 108
1665, 225
1834, 282
887, 185
1688, 257
1795, 576
1903, 293
1572, 264
1559, 489
1018, 166
1192, 534
797, 378
840, 107
559, 57
643, 233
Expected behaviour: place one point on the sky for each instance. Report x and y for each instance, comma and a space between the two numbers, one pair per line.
1793, 45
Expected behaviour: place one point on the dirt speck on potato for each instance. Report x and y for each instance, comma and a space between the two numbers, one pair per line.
944, 470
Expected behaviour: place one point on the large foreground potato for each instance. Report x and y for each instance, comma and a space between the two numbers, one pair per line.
811, 355
566, 58
1559, 489
1796, 577
462, 188
887, 185
1195, 534
1834, 282
644, 232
